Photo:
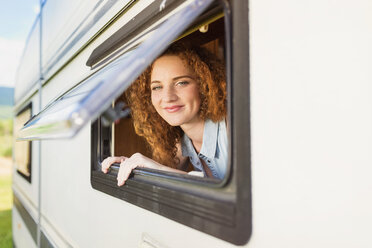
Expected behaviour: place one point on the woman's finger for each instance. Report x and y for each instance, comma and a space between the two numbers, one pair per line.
105, 165
109, 161
120, 177
125, 169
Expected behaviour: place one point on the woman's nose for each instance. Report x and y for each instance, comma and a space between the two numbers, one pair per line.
169, 94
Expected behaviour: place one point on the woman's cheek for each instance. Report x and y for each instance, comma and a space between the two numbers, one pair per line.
155, 100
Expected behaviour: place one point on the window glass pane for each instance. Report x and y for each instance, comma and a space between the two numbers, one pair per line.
22, 149
68, 114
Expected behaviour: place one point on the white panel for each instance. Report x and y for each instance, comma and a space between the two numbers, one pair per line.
28, 69
21, 235
311, 99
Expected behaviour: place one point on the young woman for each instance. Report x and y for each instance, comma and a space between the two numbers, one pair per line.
179, 105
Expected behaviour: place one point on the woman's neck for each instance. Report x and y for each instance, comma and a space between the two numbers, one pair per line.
195, 132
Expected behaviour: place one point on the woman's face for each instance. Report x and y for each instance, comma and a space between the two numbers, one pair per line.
174, 91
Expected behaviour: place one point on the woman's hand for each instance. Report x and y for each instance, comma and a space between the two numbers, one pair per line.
129, 164
136, 160
107, 162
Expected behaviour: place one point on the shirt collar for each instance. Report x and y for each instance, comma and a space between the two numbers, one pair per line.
186, 146
189, 151
209, 139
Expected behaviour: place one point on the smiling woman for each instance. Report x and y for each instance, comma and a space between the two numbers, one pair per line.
181, 114
174, 91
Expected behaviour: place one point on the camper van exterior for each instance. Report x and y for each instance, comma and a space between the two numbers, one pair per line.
299, 126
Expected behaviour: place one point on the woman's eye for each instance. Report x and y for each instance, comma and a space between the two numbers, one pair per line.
182, 83
156, 88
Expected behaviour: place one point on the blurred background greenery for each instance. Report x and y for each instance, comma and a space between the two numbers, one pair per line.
5, 211
6, 200
6, 132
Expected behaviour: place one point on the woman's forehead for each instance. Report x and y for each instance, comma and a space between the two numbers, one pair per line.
170, 65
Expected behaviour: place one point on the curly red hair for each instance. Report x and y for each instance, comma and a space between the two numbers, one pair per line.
162, 137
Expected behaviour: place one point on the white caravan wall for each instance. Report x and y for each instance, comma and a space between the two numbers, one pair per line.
311, 99
311, 103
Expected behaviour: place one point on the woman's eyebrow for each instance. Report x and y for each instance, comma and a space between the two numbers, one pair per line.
174, 79
184, 76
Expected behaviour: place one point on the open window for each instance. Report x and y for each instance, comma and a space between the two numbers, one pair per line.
200, 202
22, 151
115, 127
218, 207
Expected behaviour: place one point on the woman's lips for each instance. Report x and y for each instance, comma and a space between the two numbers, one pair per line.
173, 109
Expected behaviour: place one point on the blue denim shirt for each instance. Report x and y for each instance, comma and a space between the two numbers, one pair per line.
213, 150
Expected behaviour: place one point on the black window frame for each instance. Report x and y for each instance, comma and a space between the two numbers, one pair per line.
220, 209
29, 165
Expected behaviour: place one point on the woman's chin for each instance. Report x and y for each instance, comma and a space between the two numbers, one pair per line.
174, 123
181, 120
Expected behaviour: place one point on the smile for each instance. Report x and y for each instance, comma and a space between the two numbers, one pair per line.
173, 109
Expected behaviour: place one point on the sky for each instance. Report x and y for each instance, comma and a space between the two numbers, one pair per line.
16, 20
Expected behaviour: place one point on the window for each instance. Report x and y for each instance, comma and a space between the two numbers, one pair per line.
120, 139
206, 204
22, 151
220, 208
